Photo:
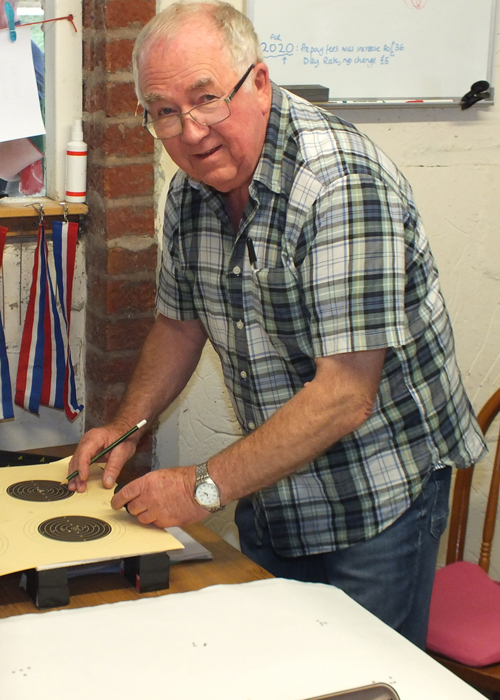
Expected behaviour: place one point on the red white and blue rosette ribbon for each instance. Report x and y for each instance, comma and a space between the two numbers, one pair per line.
45, 373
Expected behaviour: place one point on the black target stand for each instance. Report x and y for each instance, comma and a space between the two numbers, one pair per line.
49, 588
148, 572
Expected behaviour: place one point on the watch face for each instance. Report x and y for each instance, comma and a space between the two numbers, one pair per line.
207, 494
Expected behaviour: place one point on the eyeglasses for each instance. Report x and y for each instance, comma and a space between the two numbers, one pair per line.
206, 114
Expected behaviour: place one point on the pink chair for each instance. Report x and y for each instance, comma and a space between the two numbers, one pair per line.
464, 624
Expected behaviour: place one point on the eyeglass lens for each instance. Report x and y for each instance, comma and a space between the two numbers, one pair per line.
207, 114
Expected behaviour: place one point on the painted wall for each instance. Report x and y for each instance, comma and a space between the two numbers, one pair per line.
452, 159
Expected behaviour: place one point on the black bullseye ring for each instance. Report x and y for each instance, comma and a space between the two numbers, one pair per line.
74, 528
39, 490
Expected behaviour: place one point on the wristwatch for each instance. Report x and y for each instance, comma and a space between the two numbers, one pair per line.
206, 491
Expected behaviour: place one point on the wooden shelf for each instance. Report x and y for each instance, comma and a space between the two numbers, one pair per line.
22, 219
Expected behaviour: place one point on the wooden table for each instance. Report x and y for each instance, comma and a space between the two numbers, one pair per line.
227, 566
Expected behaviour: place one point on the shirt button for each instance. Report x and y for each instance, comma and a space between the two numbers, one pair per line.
240, 324
237, 270
251, 426
243, 374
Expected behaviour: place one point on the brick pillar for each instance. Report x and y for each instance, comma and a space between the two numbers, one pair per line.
120, 240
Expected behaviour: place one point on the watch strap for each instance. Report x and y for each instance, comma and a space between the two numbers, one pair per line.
202, 473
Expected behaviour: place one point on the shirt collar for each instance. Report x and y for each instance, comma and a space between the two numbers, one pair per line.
268, 170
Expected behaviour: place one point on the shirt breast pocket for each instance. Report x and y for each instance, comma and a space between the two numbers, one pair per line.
281, 310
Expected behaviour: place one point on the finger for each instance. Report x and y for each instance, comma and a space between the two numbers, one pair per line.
145, 518
115, 461
125, 495
80, 484
119, 487
134, 507
77, 465
89, 445
77, 483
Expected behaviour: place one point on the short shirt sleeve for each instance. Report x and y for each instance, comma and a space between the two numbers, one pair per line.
353, 276
174, 297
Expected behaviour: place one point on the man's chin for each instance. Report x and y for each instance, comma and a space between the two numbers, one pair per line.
223, 183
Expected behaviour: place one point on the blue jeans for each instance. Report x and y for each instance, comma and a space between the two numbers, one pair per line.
391, 574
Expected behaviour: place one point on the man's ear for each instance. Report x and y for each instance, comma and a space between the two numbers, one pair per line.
263, 86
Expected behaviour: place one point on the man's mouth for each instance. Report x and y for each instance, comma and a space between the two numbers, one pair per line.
208, 153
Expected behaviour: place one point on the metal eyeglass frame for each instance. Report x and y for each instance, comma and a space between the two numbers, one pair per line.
146, 124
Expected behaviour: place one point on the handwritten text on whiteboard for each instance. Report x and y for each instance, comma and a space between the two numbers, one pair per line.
335, 55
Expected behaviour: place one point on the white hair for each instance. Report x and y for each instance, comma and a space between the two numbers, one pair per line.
237, 33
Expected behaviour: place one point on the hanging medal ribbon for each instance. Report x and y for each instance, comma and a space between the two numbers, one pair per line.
6, 405
45, 374
31, 357
64, 239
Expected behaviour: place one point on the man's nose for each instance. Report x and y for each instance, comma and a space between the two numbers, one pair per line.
192, 130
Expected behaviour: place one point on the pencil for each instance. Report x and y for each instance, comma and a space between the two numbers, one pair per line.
107, 449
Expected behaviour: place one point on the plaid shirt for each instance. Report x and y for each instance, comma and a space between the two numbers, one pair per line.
342, 265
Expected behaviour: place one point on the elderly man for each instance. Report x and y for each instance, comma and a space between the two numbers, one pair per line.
294, 245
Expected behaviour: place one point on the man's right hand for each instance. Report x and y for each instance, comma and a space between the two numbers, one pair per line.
94, 442
168, 358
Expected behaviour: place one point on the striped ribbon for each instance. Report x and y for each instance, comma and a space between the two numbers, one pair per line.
64, 239
6, 405
45, 373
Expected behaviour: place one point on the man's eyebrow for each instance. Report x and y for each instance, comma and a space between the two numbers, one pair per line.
201, 83
149, 97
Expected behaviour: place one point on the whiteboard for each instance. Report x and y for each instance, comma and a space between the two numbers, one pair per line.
379, 49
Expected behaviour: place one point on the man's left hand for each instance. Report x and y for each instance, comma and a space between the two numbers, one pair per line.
164, 498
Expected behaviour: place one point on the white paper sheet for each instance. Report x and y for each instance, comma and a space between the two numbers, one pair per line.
268, 640
20, 114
